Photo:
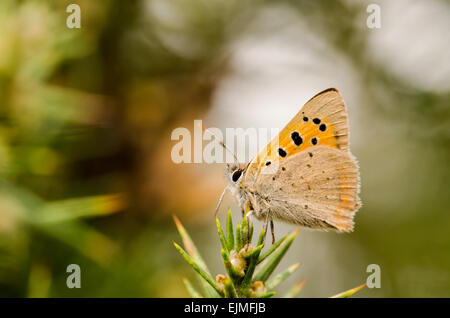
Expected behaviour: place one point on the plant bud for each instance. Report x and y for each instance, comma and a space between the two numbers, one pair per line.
220, 279
238, 263
257, 289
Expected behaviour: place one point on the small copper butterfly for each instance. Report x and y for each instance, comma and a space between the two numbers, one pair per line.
316, 182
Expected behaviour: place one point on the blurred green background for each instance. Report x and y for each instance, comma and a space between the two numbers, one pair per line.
86, 116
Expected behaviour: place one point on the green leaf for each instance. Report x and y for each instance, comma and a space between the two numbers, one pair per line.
267, 295
188, 243
70, 209
244, 231
193, 252
238, 238
275, 258
223, 241
295, 290
246, 281
250, 253
261, 236
349, 292
251, 233
278, 279
230, 291
230, 232
198, 269
191, 290
270, 250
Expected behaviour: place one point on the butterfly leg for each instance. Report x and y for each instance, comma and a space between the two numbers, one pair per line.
247, 216
220, 200
272, 229
265, 228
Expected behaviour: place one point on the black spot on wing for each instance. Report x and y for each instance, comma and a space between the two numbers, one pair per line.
282, 152
296, 138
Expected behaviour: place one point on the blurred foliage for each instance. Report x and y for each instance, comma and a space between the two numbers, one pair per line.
85, 120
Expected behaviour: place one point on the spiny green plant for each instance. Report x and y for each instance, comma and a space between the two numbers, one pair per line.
248, 267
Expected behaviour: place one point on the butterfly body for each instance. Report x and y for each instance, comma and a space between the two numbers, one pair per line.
306, 175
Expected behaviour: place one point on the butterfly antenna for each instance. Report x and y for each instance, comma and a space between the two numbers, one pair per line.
220, 141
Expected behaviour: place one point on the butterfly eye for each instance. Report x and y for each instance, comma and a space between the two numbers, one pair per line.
236, 175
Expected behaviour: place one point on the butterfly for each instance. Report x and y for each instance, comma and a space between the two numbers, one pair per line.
306, 175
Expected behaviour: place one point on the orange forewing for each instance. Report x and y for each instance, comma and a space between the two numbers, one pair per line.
321, 121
